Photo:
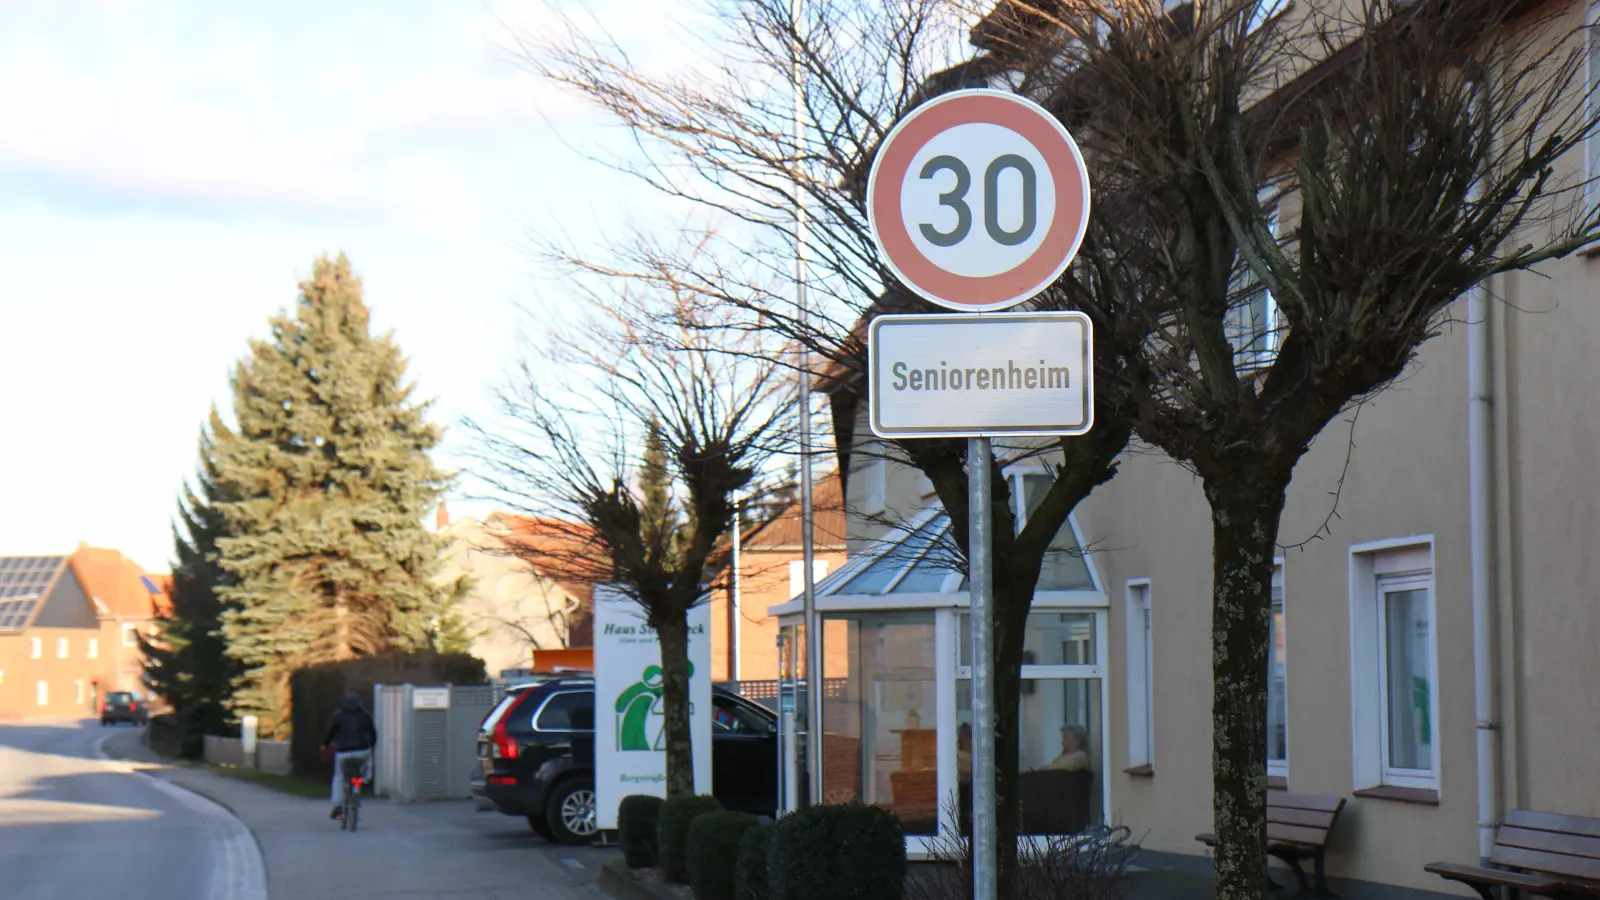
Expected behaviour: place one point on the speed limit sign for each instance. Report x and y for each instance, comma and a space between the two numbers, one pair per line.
978, 200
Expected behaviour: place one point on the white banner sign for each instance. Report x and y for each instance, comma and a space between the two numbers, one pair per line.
979, 375
628, 745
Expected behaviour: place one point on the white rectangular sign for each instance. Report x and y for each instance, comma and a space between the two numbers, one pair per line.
629, 758
430, 698
977, 375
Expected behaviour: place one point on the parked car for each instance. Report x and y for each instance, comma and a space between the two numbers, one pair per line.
123, 706
536, 757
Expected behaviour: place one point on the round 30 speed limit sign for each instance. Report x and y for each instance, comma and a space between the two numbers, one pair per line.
978, 200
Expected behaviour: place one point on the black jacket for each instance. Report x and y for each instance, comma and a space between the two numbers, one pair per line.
352, 729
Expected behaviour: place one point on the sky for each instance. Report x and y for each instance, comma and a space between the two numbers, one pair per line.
169, 171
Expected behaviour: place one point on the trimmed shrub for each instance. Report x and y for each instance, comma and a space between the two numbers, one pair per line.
672, 833
750, 876
636, 829
846, 852
714, 853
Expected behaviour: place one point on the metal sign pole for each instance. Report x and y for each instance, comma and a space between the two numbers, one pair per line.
985, 883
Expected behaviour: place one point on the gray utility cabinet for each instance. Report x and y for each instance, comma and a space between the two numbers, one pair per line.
427, 739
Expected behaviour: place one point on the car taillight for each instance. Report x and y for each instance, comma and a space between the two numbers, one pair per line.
132, 705
503, 745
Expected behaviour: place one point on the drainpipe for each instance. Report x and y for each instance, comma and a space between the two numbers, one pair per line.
733, 626
1479, 395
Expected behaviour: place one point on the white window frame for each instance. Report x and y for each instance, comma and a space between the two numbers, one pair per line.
36, 647
63, 647
1373, 567
1280, 767
1392, 775
130, 635
1591, 81
79, 685
1141, 674
41, 693
94, 648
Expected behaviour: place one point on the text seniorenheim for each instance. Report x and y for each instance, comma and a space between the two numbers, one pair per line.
972, 375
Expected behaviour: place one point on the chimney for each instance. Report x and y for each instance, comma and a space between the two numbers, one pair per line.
441, 519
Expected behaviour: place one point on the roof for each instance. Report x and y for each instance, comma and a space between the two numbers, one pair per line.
557, 549
118, 585
827, 521
24, 583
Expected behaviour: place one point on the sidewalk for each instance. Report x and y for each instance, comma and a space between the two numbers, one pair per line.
439, 849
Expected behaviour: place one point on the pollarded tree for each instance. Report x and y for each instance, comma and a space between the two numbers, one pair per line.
630, 443
1367, 167
725, 137
328, 476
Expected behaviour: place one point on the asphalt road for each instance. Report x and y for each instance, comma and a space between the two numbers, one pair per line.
75, 825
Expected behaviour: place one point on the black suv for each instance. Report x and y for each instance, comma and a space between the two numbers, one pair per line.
536, 752
122, 706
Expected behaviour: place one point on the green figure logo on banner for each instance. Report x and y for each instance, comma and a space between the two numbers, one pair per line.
636, 706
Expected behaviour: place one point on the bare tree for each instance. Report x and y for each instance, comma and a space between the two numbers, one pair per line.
574, 452
1409, 151
724, 138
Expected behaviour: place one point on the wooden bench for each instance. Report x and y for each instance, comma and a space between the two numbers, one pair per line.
1542, 854
1298, 828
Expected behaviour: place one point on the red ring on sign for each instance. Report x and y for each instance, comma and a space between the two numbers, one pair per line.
1032, 274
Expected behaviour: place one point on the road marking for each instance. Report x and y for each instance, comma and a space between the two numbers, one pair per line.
237, 870
571, 863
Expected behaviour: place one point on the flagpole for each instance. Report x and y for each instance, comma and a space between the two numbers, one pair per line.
815, 678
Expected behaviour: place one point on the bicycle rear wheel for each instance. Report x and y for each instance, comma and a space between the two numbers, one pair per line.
353, 810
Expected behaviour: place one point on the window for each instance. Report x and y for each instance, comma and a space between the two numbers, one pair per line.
94, 648
875, 483
1277, 685
1065, 566
1252, 324
1394, 658
797, 574
130, 635
79, 685
733, 717
42, 693
1141, 677
62, 645
566, 711
35, 648
1592, 148
1405, 639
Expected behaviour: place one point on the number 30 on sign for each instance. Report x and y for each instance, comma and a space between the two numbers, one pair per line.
978, 200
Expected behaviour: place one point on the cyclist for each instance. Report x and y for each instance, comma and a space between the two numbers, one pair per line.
352, 735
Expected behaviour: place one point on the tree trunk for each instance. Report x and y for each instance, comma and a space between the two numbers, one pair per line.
1244, 526
673, 633
1011, 620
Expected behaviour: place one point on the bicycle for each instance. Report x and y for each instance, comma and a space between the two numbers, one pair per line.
355, 770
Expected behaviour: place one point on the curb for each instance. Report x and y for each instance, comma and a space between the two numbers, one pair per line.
249, 875
617, 880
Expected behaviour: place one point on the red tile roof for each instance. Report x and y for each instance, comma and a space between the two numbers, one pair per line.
565, 552
119, 583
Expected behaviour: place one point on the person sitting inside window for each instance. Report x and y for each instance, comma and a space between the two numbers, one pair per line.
1073, 758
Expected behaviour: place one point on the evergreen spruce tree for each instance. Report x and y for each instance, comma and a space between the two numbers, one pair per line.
330, 478
187, 663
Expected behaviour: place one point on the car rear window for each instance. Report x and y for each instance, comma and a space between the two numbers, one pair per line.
119, 697
500, 709
567, 711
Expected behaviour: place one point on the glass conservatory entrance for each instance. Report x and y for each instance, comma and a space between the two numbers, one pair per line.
896, 730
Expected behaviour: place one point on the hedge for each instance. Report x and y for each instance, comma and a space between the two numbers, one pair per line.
714, 853
847, 852
750, 876
636, 829
672, 833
